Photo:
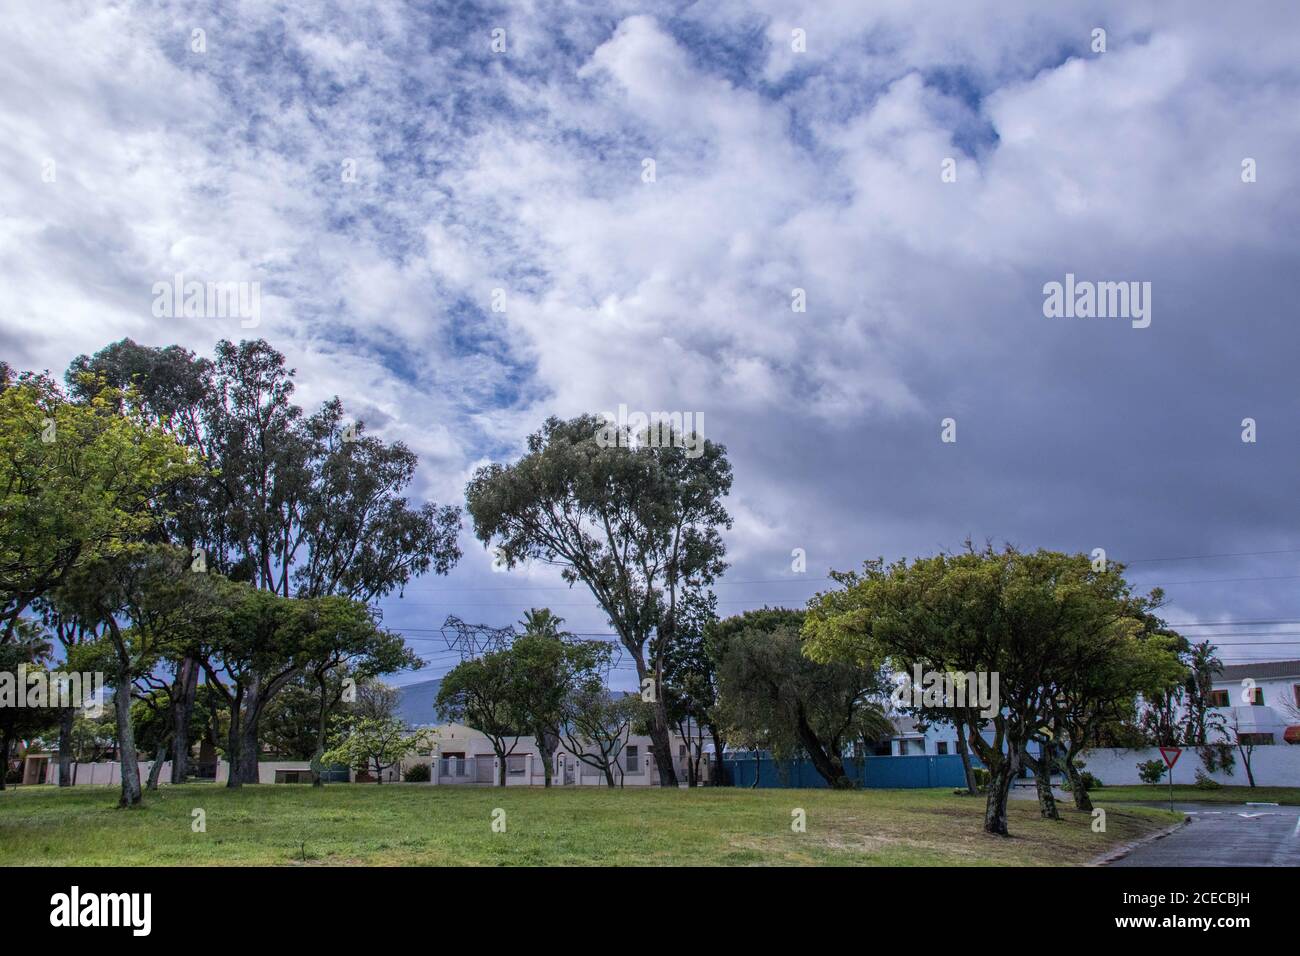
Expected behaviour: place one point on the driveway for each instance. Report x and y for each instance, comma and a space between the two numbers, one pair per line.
1225, 835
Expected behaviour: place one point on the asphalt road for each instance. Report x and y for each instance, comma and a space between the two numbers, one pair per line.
1225, 835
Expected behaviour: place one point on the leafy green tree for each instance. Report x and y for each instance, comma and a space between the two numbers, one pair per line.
1017, 615
27, 649
290, 725
1151, 772
1200, 722
92, 737
360, 538
152, 590
1100, 682
598, 725
637, 522
548, 666
482, 693
258, 647
172, 389
308, 505
767, 684
691, 683
151, 718
344, 642
375, 744
280, 488
74, 635
77, 482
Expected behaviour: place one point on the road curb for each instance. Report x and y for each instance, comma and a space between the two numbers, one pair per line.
1124, 850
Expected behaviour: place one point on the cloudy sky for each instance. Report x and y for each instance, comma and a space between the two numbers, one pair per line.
380, 169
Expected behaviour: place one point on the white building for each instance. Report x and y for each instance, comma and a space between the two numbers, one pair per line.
1259, 701
463, 756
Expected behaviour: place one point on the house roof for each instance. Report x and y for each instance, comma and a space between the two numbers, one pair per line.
1260, 670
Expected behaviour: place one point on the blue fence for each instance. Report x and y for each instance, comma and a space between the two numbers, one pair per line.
930, 770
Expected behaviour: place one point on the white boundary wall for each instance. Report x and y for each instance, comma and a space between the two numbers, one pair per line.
1277, 765
107, 773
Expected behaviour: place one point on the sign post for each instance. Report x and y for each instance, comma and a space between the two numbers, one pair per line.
1170, 756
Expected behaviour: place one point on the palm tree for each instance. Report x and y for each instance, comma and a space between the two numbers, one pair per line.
541, 622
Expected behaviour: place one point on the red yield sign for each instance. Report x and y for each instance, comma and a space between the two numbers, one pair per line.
1171, 755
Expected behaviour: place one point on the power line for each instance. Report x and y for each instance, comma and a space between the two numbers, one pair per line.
1235, 623
1276, 577
1204, 557
592, 604
801, 579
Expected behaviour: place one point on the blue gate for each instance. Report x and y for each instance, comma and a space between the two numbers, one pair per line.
916, 771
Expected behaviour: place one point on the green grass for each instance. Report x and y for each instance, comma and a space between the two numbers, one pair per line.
412, 824
1288, 796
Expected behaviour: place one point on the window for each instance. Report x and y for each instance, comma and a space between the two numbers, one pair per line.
515, 764
632, 757
1255, 740
1295, 689
1257, 698
1218, 698
941, 747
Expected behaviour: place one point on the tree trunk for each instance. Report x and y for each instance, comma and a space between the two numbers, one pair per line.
248, 750
1043, 783
317, 764
126, 752
259, 695
66, 720
663, 745
187, 685
829, 765
659, 737
963, 748
758, 765
501, 770
1042, 770
1246, 754
718, 770
159, 758
1001, 774
1082, 801
609, 776
4, 758
547, 744
233, 781
254, 700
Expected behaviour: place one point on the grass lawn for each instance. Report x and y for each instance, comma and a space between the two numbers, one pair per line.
1287, 796
413, 824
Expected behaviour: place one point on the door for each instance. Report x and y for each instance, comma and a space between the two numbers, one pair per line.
483, 770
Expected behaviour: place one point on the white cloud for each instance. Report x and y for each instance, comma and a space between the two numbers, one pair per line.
775, 170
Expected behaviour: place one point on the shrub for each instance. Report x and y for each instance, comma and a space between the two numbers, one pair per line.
1151, 771
1205, 782
1218, 756
981, 777
418, 773
1089, 781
